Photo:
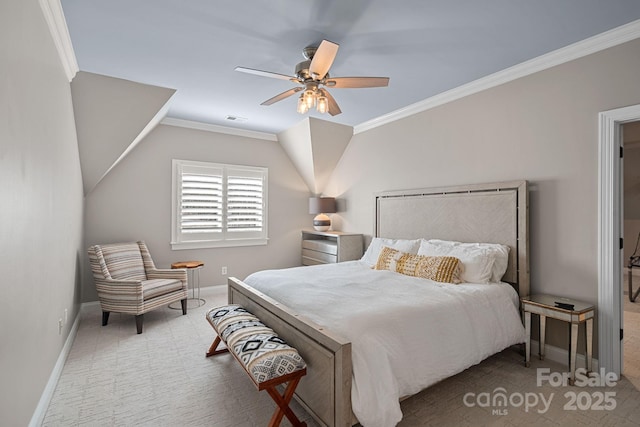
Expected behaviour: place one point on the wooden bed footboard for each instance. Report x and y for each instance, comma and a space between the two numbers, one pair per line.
325, 392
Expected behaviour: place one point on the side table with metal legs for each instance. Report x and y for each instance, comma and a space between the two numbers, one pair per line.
193, 270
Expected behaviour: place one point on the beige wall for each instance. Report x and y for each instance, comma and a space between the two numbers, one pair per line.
42, 208
133, 202
542, 128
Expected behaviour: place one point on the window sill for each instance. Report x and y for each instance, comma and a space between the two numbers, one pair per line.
204, 244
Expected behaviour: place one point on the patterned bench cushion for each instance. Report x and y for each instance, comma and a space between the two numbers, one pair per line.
221, 317
263, 354
266, 356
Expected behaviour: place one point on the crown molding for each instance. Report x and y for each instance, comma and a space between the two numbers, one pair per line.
218, 129
53, 14
614, 37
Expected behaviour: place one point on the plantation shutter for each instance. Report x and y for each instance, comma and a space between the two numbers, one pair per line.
218, 205
201, 203
245, 204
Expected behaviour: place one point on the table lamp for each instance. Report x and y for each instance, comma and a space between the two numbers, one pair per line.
321, 206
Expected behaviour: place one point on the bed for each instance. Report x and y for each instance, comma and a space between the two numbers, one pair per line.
345, 360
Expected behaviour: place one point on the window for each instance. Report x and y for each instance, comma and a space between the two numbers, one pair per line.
215, 205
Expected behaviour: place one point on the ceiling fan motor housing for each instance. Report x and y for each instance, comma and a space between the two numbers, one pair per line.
302, 71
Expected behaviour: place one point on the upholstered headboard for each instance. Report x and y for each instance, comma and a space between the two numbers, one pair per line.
488, 213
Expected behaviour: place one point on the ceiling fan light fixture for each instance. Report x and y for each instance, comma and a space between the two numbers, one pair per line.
302, 105
322, 104
309, 98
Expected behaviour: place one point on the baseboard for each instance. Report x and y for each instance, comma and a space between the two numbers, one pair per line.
47, 394
86, 305
560, 355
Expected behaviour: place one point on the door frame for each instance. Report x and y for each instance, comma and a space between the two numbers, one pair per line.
609, 234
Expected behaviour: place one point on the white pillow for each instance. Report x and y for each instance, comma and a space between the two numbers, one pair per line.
501, 260
499, 253
373, 251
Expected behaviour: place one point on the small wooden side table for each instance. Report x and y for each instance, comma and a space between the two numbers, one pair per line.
193, 270
568, 310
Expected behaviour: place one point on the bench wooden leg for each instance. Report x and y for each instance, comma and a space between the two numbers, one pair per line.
212, 350
283, 405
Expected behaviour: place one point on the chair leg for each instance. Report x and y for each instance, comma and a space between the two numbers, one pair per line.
139, 319
105, 317
183, 302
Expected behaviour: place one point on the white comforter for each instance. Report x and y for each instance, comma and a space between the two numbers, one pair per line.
406, 333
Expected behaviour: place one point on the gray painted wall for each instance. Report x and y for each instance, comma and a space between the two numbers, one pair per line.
542, 128
42, 209
133, 202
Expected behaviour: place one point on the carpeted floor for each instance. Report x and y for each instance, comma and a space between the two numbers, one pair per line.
114, 377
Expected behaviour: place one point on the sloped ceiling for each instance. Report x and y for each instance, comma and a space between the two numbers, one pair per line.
112, 116
377, 36
315, 146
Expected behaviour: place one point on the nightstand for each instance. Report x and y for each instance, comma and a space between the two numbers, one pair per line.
324, 247
568, 310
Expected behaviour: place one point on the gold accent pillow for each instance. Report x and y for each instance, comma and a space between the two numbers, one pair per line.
387, 258
444, 269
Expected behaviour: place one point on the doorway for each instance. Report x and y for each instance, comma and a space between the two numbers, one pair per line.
609, 233
631, 235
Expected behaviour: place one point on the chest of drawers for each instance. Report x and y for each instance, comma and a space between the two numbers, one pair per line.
323, 247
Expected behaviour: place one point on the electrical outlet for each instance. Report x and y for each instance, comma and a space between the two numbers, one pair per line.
59, 326
224, 271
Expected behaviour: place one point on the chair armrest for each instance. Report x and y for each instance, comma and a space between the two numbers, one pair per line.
120, 290
167, 273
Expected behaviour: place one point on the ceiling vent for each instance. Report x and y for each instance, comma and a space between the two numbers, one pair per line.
236, 119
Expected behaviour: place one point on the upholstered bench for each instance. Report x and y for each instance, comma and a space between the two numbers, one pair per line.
265, 357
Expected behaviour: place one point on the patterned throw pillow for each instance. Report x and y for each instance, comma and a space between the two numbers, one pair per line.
444, 269
387, 258
438, 268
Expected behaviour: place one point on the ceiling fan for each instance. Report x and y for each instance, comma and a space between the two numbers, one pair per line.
313, 77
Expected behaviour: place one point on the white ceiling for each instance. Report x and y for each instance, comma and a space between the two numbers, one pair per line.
426, 47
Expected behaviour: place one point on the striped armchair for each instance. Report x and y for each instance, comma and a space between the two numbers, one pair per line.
127, 281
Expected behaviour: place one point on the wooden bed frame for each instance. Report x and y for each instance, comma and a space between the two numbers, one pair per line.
493, 213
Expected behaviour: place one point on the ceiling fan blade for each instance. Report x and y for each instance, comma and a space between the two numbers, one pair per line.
323, 59
355, 82
282, 96
267, 74
334, 110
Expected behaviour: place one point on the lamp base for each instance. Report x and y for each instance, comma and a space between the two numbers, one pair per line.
321, 222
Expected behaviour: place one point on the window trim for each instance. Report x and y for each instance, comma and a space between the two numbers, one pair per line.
178, 243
